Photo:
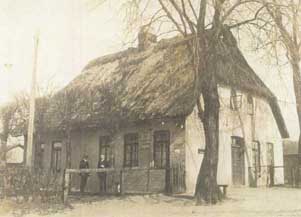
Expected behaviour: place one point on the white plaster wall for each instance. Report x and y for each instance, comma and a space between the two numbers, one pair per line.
265, 131
194, 140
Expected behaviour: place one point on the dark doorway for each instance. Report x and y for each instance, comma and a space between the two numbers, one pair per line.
270, 163
255, 170
162, 155
238, 161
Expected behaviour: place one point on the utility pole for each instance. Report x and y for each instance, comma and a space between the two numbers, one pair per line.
30, 132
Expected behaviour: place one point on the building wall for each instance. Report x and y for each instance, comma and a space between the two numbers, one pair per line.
260, 126
87, 142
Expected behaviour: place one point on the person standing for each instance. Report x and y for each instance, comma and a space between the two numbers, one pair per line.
84, 164
102, 163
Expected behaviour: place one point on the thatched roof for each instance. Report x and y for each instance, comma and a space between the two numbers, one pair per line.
158, 82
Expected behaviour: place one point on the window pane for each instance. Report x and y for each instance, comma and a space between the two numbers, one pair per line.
58, 159
131, 149
56, 156
161, 141
105, 148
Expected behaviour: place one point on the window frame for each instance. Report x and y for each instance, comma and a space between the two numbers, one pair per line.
250, 104
257, 146
270, 144
104, 144
235, 100
131, 143
55, 152
42, 155
161, 142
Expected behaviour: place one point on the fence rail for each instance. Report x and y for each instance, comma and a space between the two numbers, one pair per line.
119, 181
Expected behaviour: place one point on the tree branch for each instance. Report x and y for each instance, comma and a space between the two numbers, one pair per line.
237, 4
174, 4
169, 15
249, 20
193, 10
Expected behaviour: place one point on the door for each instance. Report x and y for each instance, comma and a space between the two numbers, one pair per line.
270, 163
162, 155
238, 161
255, 170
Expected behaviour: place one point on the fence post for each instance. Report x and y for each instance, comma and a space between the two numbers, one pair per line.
66, 182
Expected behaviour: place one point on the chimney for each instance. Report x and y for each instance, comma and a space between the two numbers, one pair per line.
145, 38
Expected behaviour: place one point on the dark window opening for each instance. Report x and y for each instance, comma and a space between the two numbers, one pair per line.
105, 149
256, 156
41, 156
270, 154
237, 141
56, 158
131, 150
250, 107
235, 100
161, 144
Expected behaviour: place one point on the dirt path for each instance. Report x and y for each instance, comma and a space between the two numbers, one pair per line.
242, 202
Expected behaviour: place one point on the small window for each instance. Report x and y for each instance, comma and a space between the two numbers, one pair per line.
250, 106
161, 146
105, 149
131, 150
256, 156
56, 158
270, 154
235, 100
41, 156
237, 142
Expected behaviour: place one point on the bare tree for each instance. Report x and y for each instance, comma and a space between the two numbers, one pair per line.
281, 35
203, 23
6, 116
14, 117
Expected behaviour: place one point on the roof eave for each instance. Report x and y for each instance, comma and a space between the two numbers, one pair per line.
279, 118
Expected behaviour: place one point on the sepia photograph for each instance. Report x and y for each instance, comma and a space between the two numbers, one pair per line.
150, 108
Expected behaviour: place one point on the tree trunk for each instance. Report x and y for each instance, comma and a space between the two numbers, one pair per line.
297, 89
207, 189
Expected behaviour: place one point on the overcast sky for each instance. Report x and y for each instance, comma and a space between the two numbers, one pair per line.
71, 35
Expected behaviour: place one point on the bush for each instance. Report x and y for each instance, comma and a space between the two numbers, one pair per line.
37, 185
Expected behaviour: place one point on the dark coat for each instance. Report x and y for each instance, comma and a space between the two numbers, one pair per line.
102, 164
84, 164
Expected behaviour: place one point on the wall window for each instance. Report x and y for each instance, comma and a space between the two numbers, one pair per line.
56, 158
41, 156
105, 149
235, 100
270, 154
256, 156
131, 150
250, 105
161, 147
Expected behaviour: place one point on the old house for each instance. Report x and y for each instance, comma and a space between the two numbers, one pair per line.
136, 107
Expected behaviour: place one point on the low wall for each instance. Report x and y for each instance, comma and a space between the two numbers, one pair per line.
129, 181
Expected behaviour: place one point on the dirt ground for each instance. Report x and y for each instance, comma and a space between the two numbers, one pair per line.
241, 202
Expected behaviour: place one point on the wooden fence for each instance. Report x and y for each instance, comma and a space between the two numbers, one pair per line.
178, 179
125, 180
